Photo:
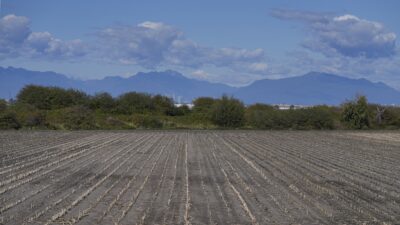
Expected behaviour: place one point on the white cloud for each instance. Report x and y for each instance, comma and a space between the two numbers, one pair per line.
346, 35
152, 25
17, 39
13, 32
152, 44
200, 74
345, 18
259, 67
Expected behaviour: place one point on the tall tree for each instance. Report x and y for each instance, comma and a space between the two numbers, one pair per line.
356, 114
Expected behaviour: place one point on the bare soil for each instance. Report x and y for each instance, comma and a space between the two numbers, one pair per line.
199, 177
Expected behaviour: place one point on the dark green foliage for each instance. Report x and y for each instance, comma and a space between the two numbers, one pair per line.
260, 116
384, 116
182, 110
48, 98
3, 105
319, 117
133, 102
267, 117
78, 118
202, 110
29, 116
163, 105
9, 120
228, 112
203, 105
391, 117
356, 114
102, 101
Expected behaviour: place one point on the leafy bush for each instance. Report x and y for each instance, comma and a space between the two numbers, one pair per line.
133, 102
79, 117
356, 114
9, 120
262, 116
228, 112
164, 105
48, 98
181, 110
29, 116
102, 101
389, 116
319, 117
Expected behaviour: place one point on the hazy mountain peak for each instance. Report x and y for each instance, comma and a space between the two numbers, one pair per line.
309, 89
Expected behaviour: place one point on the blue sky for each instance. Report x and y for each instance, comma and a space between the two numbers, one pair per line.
234, 42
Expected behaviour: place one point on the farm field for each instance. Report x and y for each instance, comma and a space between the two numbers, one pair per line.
199, 177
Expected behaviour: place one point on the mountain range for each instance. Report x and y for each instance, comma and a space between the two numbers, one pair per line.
309, 89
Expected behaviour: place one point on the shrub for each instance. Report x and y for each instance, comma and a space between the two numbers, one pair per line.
48, 98
28, 115
318, 117
228, 112
9, 121
260, 116
147, 121
133, 102
163, 105
79, 117
182, 110
356, 114
3, 105
102, 101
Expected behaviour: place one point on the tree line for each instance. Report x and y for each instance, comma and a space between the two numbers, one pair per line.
38, 107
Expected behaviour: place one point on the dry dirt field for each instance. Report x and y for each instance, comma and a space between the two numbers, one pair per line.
199, 177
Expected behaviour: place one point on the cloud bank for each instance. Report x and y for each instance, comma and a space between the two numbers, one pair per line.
151, 44
345, 35
17, 39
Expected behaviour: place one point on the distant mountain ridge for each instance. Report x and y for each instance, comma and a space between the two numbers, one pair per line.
317, 88
310, 89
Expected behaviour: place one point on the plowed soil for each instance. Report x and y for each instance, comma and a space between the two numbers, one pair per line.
199, 177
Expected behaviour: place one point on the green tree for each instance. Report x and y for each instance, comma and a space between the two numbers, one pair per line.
48, 98
228, 112
355, 113
163, 105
